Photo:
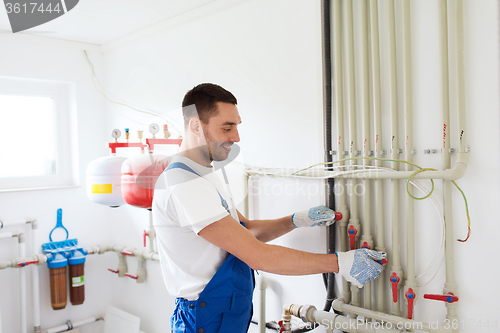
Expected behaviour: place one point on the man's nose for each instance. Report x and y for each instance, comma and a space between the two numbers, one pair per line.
235, 136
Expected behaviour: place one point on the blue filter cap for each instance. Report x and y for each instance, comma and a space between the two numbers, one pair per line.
77, 257
57, 261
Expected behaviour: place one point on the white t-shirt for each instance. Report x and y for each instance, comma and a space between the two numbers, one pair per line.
184, 204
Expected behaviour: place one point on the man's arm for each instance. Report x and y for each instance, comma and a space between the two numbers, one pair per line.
267, 230
232, 237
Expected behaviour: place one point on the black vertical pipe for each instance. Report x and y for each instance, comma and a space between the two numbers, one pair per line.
327, 117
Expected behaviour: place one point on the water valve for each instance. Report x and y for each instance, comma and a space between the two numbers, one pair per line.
366, 246
127, 253
382, 262
26, 263
145, 234
394, 282
449, 297
352, 235
410, 296
338, 216
131, 276
113, 270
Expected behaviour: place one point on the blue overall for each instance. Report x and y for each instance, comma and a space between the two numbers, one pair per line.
225, 305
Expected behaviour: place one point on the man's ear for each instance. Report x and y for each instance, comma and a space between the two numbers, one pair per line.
195, 127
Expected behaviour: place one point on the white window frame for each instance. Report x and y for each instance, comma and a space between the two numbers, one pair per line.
65, 138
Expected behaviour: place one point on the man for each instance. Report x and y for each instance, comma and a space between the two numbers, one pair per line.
208, 250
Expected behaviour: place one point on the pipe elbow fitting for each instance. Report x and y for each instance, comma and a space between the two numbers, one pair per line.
458, 170
337, 304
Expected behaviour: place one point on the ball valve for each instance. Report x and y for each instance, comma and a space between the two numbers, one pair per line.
410, 296
352, 231
449, 297
394, 284
365, 246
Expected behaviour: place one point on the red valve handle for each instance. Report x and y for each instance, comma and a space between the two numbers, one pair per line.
449, 297
113, 270
366, 246
282, 326
127, 253
131, 276
410, 296
144, 235
352, 235
338, 216
382, 262
394, 282
26, 263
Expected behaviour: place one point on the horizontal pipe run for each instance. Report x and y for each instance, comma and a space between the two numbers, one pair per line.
7, 235
69, 325
100, 249
147, 255
6, 223
332, 321
339, 305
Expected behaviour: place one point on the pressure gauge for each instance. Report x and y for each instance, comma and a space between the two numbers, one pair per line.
154, 128
116, 133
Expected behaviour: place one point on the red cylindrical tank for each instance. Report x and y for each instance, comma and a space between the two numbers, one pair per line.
139, 175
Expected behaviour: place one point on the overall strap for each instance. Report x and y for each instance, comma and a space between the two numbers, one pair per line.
180, 165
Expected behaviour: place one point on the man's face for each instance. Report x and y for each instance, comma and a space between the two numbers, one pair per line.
221, 131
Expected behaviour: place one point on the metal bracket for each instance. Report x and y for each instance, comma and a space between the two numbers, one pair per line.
413, 151
467, 149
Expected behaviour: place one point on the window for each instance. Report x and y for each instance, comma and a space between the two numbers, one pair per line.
37, 145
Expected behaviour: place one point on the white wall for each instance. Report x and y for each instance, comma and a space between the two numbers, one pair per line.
268, 53
50, 59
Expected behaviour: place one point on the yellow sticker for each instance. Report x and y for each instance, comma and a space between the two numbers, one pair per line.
102, 188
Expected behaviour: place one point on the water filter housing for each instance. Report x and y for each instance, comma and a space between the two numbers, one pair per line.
104, 181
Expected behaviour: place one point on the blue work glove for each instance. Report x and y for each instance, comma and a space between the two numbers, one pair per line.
359, 266
320, 215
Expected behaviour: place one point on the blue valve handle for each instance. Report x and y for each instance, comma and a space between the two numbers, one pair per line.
59, 225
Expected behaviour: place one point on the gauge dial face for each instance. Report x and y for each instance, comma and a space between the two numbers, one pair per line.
154, 128
116, 133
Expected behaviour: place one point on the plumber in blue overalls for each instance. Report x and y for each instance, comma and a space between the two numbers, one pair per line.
188, 189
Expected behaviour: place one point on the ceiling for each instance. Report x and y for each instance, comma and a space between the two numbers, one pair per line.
101, 21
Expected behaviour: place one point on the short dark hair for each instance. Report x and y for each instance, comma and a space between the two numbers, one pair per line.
205, 97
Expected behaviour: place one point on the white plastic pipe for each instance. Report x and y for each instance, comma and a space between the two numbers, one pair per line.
408, 124
338, 106
5, 223
22, 285
450, 285
350, 87
339, 305
69, 325
35, 279
374, 60
393, 107
7, 235
332, 321
366, 237
261, 284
